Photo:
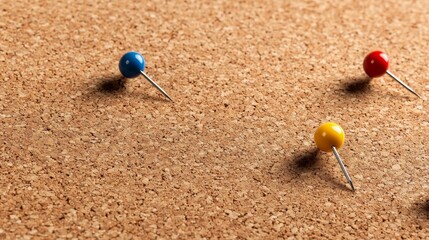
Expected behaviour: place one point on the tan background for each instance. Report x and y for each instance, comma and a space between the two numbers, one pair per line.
233, 157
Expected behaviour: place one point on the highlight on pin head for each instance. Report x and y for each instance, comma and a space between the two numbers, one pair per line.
131, 64
329, 135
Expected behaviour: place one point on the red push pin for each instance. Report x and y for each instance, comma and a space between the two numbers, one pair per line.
376, 64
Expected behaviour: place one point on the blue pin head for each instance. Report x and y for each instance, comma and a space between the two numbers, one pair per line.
131, 64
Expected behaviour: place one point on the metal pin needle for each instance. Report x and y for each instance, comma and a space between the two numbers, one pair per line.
346, 174
156, 85
402, 83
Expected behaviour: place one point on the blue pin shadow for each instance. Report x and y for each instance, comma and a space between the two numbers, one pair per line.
111, 84
116, 85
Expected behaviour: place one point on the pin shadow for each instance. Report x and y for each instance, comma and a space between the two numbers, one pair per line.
306, 161
111, 84
358, 85
309, 161
116, 85
422, 209
362, 84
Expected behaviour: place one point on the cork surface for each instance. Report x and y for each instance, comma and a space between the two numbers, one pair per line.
84, 156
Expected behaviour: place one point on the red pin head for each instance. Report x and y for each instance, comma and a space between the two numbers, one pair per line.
376, 64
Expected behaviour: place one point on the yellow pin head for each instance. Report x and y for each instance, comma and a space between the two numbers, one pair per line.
328, 135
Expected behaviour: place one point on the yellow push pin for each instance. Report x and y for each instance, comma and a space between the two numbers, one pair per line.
329, 137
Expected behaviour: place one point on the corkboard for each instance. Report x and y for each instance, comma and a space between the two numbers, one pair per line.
233, 157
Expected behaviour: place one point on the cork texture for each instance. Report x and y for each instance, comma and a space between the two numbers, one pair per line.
84, 154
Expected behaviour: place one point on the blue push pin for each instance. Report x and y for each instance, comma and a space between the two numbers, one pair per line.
132, 65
